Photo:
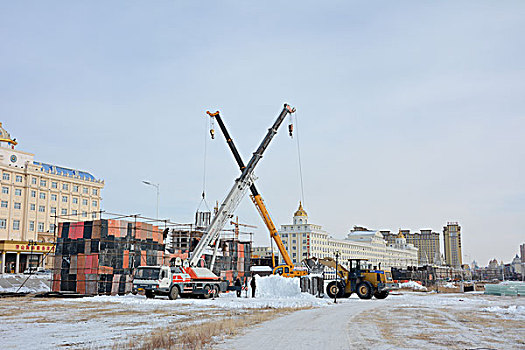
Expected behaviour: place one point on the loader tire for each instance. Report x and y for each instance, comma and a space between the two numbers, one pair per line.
150, 294
364, 290
174, 293
334, 288
381, 295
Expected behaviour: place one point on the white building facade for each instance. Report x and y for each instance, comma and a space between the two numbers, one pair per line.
304, 240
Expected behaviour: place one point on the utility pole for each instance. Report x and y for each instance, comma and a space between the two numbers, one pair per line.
336, 268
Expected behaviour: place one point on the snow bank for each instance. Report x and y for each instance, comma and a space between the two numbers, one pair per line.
450, 285
412, 285
275, 286
513, 311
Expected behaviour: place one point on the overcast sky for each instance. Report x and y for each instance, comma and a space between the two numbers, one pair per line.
410, 114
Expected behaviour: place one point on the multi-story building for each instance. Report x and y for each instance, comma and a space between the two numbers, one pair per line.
522, 252
35, 197
428, 245
452, 243
304, 240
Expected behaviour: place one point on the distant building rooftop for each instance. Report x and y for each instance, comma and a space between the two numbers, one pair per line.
65, 171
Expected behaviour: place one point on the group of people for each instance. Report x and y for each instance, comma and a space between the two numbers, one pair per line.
238, 284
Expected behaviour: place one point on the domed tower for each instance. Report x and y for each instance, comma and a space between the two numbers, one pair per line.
5, 139
300, 216
400, 239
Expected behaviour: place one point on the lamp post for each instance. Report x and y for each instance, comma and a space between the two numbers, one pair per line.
31, 244
336, 268
157, 186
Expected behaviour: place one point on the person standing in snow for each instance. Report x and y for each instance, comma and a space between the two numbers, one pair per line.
253, 285
238, 284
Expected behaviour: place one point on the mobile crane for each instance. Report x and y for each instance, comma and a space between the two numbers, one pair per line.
288, 269
186, 277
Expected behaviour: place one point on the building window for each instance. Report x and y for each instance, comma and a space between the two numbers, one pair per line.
18, 178
54, 197
41, 208
32, 206
42, 195
40, 227
5, 190
53, 210
18, 205
3, 204
74, 212
52, 227
33, 193
294, 241
5, 176
64, 199
18, 192
294, 255
75, 188
64, 211
95, 192
54, 184
84, 202
95, 203
75, 200
94, 215
31, 225
65, 187
43, 183
85, 190
3, 223
33, 180
84, 214
16, 225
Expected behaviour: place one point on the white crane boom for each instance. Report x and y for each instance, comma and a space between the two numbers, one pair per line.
237, 192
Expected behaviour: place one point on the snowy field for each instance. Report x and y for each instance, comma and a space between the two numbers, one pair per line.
408, 320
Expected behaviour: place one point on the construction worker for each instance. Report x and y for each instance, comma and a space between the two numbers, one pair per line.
238, 286
253, 285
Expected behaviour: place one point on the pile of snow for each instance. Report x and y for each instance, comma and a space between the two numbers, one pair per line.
412, 285
450, 285
275, 286
513, 311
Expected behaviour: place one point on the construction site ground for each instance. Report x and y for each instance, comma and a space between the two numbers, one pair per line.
409, 320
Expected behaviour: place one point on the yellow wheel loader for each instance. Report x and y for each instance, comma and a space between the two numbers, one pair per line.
358, 279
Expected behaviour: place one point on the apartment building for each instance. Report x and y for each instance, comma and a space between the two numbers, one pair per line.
452, 243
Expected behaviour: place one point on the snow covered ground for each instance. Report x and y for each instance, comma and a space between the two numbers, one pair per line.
35, 283
408, 320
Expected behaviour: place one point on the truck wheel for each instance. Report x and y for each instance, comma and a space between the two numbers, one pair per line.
207, 293
334, 288
150, 294
215, 290
381, 295
174, 293
364, 290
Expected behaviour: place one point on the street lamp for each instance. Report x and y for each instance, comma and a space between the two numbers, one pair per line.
31, 244
336, 268
157, 186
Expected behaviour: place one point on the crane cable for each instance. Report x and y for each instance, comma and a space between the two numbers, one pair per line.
203, 199
299, 158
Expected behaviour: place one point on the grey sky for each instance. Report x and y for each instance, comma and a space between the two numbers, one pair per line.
411, 114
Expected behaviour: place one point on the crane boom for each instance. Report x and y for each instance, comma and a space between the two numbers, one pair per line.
239, 188
256, 197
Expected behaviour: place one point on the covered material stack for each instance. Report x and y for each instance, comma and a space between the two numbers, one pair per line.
99, 257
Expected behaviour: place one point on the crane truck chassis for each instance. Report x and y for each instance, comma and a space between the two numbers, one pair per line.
175, 281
